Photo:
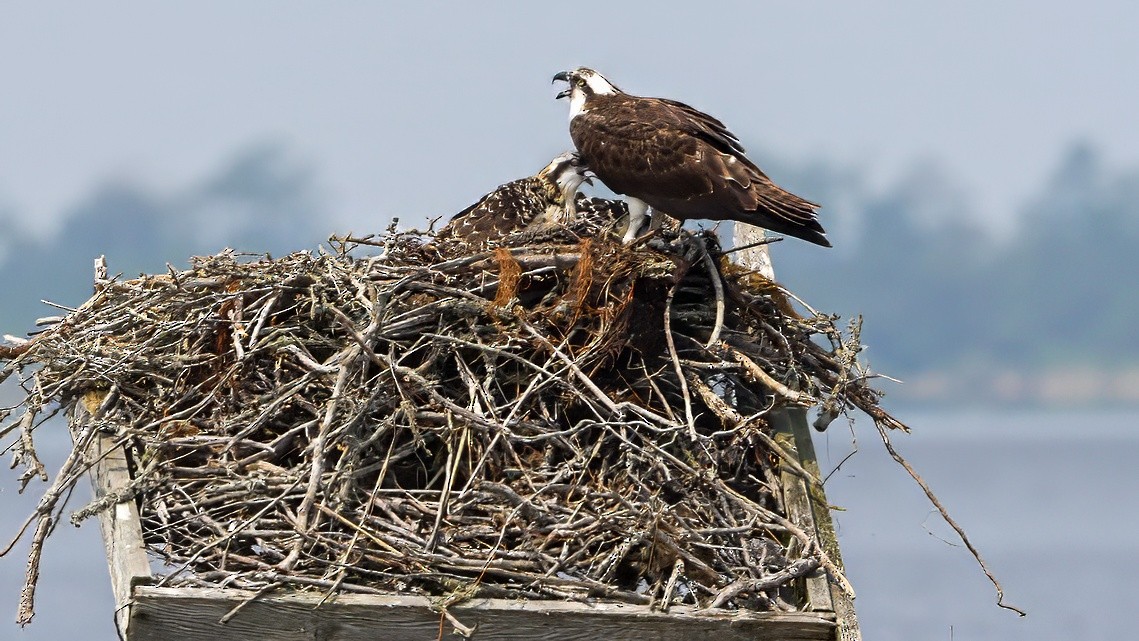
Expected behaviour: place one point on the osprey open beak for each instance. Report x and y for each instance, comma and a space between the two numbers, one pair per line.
564, 77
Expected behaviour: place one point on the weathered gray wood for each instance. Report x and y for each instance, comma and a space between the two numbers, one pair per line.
798, 503
192, 614
121, 526
757, 259
841, 603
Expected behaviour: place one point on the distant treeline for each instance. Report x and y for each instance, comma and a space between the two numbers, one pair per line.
259, 201
938, 291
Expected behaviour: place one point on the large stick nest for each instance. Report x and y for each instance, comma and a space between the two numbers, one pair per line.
560, 420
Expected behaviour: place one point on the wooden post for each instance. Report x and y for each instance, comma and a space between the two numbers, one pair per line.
807, 507
806, 503
121, 526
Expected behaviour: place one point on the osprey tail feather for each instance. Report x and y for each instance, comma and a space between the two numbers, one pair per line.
786, 213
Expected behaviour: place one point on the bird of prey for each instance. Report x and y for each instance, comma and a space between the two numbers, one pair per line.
592, 217
548, 197
666, 155
599, 214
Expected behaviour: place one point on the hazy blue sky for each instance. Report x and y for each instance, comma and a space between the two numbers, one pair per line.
419, 108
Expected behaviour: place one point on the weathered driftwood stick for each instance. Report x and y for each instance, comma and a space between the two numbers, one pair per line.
799, 568
734, 420
717, 287
689, 418
948, 519
27, 608
757, 373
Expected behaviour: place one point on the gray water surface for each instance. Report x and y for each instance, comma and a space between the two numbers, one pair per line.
1048, 498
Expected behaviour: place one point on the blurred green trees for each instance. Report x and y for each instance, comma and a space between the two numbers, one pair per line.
937, 288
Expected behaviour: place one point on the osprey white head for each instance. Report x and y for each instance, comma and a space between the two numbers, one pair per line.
584, 83
567, 172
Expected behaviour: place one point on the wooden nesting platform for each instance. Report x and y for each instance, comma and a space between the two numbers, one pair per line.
561, 439
148, 613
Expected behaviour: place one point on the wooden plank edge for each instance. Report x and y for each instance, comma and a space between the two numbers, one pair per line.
195, 614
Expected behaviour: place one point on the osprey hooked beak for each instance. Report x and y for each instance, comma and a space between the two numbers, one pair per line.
563, 76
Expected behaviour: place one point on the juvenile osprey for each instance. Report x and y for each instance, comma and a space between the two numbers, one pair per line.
666, 155
547, 197
598, 214
593, 217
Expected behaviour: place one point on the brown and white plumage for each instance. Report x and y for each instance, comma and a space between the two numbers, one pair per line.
593, 217
516, 205
600, 214
667, 155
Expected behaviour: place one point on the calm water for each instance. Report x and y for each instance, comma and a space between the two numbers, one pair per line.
1049, 498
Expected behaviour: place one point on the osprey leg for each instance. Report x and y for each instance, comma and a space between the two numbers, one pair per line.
638, 211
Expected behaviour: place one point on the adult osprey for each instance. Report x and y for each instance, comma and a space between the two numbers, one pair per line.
666, 155
549, 196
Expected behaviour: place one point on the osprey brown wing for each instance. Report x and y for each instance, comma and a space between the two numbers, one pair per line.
761, 192
706, 127
686, 163
507, 209
632, 150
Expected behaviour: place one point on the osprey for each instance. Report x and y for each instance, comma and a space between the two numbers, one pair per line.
592, 217
550, 196
599, 214
666, 155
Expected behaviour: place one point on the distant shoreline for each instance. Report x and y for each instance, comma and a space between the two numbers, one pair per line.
963, 389
1068, 387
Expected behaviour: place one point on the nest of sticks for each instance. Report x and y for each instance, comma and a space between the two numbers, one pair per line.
568, 419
